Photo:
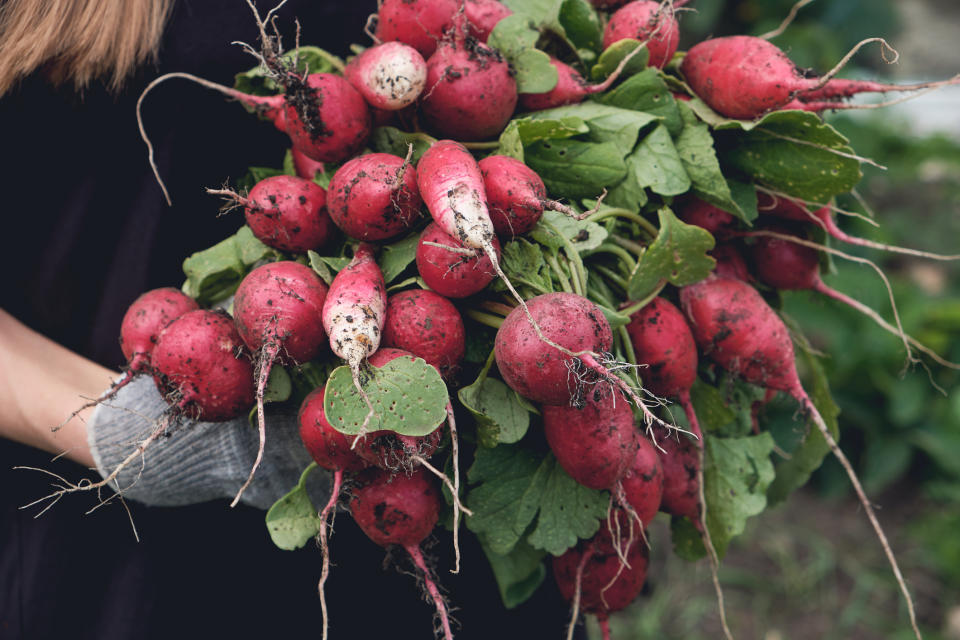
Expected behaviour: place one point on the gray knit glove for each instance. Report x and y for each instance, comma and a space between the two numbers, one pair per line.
198, 461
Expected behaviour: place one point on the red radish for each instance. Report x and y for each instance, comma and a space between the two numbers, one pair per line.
326, 118
745, 77
401, 509
548, 351
200, 359
418, 23
456, 272
374, 197
145, 319
471, 93
718, 222
595, 443
790, 209
395, 508
327, 446
276, 310
353, 314
594, 578
787, 265
516, 196
738, 330
390, 76
682, 475
786, 261
662, 340
730, 262
451, 186
532, 367
571, 87
285, 212
331, 450
483, 15
646, 21
394, 452
427, 325
304, 166
640, 489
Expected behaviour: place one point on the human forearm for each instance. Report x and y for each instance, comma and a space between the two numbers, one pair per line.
41, 384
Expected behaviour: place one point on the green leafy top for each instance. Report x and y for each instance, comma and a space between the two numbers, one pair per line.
215, 273
520, 490
408, 397
678, 255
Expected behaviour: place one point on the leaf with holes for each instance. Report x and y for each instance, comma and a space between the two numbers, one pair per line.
793, 152
524, 131
408, 397
574, 168
553, 227
658, 166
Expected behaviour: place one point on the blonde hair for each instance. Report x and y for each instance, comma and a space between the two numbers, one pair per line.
78, 40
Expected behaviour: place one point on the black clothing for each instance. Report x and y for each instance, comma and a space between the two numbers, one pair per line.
87, 231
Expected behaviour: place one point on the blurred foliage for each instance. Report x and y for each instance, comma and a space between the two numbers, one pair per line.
900, 425
896, 425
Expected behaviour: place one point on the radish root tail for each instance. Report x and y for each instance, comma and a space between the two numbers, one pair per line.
804, 400
266, 364
432, 589
329, 510
575, 603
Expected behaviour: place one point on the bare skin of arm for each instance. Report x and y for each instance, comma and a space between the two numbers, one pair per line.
41, 384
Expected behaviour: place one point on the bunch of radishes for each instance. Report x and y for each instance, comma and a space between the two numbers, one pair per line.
602, 316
